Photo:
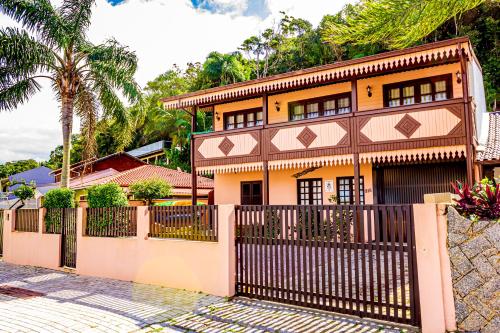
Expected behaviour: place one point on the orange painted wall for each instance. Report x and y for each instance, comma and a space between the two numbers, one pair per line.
376, 83
283, 187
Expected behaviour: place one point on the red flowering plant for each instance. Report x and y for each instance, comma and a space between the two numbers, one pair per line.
481, 201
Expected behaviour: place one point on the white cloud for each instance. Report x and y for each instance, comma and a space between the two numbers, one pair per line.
163, 33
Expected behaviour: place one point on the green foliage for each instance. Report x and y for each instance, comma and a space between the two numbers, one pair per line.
106, 195
397, 23
25, 192
59, 198
150, 189
52, 45
12, 168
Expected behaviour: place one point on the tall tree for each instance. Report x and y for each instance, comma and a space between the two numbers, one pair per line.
397, 23
53, 45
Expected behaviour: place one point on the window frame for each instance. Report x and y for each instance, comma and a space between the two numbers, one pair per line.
321, 105
417, 92
311, 192
245, 113
352, 195
252, 196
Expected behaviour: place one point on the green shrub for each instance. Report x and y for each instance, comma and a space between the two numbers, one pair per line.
150, 189
59, 198
25, 192
106, 195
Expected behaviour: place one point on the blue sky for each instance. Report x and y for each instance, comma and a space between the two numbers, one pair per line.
257, 8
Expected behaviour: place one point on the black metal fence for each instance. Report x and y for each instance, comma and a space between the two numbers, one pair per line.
187, 222
352, 259
111, 222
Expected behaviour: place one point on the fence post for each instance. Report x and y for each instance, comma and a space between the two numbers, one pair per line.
446, 281
227, 242
142, 222
41, 220
432, 308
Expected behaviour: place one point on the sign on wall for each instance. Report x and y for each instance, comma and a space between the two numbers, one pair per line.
328, 186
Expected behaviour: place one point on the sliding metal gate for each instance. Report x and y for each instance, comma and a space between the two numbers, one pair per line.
350, 259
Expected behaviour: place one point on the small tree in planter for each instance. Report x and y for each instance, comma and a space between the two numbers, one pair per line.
151, 189
55, 200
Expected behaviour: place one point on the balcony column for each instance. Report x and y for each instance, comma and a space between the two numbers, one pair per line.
354, 145
265, 170
469, 128
194, 176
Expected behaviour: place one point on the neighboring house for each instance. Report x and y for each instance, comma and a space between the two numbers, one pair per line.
118, 161
396, 125
152, 153
41, 177
489, 157
180, 181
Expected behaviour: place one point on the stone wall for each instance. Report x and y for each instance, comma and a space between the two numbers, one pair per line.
475, 267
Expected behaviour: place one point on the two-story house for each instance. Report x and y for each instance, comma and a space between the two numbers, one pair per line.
396, 125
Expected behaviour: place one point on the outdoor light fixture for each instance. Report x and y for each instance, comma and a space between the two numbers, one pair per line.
277, 106
459, 77
369, 91
217, 116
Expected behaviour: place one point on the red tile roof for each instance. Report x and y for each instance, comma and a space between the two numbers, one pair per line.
174, 177
492, 149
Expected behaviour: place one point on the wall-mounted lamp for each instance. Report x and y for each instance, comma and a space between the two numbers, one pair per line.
217, 116
369, 91
459, 76
277, 106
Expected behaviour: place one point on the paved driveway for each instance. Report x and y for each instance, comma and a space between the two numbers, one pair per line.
42, 300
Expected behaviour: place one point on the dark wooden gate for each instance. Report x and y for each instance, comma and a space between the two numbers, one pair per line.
332, 258
68, 237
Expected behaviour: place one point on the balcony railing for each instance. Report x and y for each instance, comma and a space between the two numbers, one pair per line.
406, 127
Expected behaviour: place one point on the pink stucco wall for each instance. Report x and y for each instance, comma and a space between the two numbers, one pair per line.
190, 265
30, 248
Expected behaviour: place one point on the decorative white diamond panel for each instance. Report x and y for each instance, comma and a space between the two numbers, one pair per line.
430, 123
323, 135
232, 145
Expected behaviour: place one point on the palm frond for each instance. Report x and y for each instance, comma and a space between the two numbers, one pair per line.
38, 16
112, 52
86, 108
18, 49
77, 15
18, 93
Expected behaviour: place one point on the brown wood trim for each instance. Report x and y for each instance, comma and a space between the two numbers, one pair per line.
413, 107
379, 56
412, 144
310, 153
229, 160
228, 132
255, 152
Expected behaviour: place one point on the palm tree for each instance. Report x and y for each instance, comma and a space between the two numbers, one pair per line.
85, 77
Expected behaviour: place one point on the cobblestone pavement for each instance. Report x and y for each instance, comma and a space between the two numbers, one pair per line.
244, 315
42, 300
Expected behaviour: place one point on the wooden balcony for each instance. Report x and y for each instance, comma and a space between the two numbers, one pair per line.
434, 124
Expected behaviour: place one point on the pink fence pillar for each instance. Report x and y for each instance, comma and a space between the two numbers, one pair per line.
434, 277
